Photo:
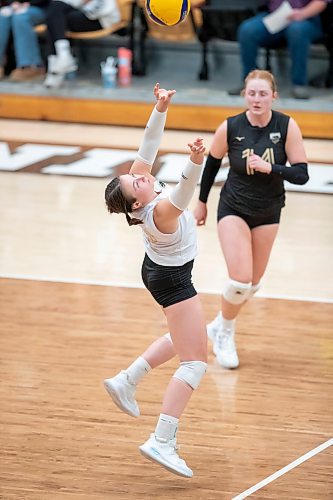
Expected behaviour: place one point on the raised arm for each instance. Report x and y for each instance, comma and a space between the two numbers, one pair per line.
153, 132
167, 211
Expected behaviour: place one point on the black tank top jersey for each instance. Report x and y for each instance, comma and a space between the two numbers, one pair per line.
247, 191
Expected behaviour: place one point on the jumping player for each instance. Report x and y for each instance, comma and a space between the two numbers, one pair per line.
170, 242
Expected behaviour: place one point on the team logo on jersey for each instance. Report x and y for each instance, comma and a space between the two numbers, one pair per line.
275, 137
239, 139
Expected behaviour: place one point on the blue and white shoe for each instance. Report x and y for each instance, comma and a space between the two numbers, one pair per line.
164, 453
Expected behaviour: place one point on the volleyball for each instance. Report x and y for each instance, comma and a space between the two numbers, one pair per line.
167, 12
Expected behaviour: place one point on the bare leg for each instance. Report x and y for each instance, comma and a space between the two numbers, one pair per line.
263, 238
122, 387
159, 352
236, 243
246, 254
188, 331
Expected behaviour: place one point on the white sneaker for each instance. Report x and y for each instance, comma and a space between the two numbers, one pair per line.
57, 68
54, 80
225, 349
214, 327
123, 393
164, 453
65, 63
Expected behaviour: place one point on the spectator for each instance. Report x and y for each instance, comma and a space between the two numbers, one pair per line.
304, 29
74, 15
19, 18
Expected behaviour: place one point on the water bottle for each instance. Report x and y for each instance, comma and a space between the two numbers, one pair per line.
109, 73
124, 67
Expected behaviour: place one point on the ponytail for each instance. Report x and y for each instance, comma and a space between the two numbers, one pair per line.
116, 202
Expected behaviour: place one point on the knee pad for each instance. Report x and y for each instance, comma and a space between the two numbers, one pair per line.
254, 289
191, 372
168, 336
236, 292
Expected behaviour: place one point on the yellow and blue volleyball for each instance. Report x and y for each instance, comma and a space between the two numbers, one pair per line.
167, 12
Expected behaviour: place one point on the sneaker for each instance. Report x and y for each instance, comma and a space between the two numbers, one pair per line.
58, 67
64, 64
225, 349
54, 80
164, 453
214, 327
123, 393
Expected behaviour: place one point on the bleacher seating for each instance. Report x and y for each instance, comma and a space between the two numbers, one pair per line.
220, 21
214, 19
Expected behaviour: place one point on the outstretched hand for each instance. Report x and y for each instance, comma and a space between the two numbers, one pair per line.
163, 97
197, 149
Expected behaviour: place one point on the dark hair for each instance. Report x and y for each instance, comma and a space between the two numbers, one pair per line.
117, 203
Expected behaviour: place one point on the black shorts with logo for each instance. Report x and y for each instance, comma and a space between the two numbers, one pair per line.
168, 284
251, 220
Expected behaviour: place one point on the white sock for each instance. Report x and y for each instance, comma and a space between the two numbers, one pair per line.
62, 48
138, 369
218, 318
166, 427
168, 336
228, 324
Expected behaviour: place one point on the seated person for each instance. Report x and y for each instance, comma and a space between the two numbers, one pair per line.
304, 29
18, 19
74, 15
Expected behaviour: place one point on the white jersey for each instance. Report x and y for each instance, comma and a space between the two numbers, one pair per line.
174, 249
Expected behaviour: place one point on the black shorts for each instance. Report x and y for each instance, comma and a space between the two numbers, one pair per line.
168, 284
251, 220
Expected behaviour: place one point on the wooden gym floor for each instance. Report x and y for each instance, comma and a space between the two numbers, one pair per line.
73, 311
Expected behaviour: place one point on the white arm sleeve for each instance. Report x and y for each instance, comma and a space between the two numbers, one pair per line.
152, 137
181, 194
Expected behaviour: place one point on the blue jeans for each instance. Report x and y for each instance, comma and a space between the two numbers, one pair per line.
26, 43
299, 35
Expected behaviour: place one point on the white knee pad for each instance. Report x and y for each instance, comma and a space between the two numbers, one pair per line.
191, 372
168, 336
236, 292
254, 289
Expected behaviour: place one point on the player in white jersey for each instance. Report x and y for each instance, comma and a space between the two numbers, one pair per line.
170, 244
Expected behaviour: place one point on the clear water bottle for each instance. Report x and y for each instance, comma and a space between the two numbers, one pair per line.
109, 73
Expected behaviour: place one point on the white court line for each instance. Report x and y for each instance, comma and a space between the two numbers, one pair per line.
285, 469
120, 284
